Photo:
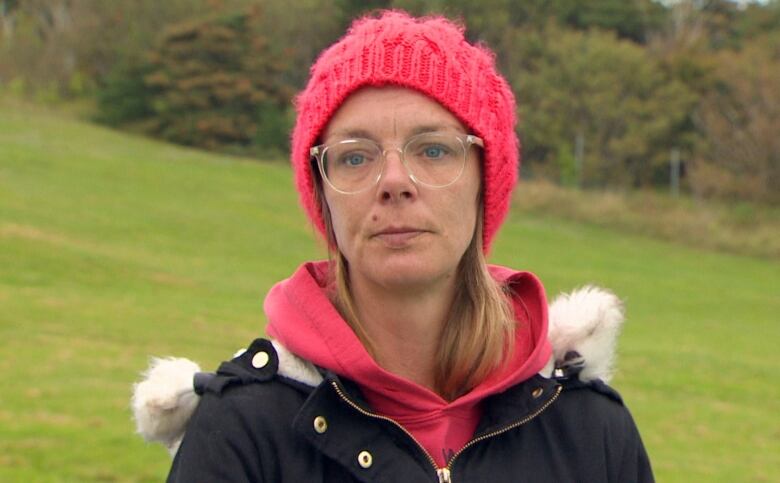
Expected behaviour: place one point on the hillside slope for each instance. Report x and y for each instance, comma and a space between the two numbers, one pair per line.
114, 248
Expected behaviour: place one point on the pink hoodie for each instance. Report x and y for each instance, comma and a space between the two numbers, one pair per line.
302, 318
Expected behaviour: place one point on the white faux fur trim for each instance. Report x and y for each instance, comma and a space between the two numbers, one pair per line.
587, 321
165, 398
164, 401
293, 367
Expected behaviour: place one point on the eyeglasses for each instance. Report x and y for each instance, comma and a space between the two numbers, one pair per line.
432, 159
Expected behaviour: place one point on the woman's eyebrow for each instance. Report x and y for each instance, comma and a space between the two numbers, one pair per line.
435, 128
351, 133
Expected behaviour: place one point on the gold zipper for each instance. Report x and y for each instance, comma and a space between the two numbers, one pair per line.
443, 473
384, 418
504, 429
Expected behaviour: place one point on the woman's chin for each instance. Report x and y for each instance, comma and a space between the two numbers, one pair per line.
409, 273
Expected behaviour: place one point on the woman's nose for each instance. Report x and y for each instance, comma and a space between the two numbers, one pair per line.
395, 182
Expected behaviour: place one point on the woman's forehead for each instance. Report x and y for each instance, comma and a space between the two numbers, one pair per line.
390, 111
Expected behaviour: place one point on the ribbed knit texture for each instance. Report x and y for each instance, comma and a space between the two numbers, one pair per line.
429, 55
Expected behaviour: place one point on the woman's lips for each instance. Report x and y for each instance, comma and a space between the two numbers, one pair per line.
398, 238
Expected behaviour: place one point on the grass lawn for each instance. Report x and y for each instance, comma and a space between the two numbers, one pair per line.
114, 248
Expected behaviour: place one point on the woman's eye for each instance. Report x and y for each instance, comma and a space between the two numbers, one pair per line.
354, 159
434, 152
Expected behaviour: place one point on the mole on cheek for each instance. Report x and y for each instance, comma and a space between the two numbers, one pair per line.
374, 218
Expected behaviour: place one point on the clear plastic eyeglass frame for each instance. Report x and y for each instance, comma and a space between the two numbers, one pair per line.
466, 141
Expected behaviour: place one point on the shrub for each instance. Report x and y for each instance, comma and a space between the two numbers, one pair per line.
214, 84
125, 96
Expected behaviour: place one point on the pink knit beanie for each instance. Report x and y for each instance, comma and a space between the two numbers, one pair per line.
431, 56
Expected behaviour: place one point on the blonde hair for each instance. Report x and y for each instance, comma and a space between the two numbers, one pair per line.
478, 335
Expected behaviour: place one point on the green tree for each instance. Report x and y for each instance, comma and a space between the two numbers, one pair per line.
298, 31
629, 20
608, 95
351, 9
215, 81
759, 18
488, 18
73, 45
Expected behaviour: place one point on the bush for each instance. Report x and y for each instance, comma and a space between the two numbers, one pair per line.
214, 84
125, 97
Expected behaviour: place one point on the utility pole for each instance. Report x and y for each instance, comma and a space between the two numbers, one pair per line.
579, 154
674, 172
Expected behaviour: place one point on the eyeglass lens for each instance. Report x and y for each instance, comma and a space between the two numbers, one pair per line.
433, 159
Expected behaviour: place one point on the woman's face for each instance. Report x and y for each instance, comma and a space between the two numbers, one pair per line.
398, 234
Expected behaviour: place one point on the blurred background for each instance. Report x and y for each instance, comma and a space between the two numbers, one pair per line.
146, 204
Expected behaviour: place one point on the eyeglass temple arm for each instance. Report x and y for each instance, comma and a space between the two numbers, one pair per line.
471, 139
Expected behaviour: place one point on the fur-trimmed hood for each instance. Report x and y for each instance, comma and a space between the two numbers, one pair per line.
583, 330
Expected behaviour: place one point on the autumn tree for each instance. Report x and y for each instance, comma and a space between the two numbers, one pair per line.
214, 83
740, 120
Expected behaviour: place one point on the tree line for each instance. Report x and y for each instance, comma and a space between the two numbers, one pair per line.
611, 93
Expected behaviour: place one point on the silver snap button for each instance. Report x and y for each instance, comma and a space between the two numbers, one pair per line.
365, 459
260, 360
320, 424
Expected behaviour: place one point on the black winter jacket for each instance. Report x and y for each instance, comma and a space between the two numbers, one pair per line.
259, 425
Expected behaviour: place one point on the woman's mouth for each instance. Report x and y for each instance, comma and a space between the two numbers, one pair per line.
398, 237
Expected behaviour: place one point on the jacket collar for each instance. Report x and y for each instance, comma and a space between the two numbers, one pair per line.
337, 401
583, 331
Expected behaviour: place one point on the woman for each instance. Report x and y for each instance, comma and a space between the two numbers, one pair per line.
406, 357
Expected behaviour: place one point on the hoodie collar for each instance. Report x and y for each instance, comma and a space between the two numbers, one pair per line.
303, 319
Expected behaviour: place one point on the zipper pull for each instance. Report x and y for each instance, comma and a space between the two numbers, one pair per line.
444, 475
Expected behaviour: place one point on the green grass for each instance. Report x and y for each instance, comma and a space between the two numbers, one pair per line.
727, 226
114, 248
